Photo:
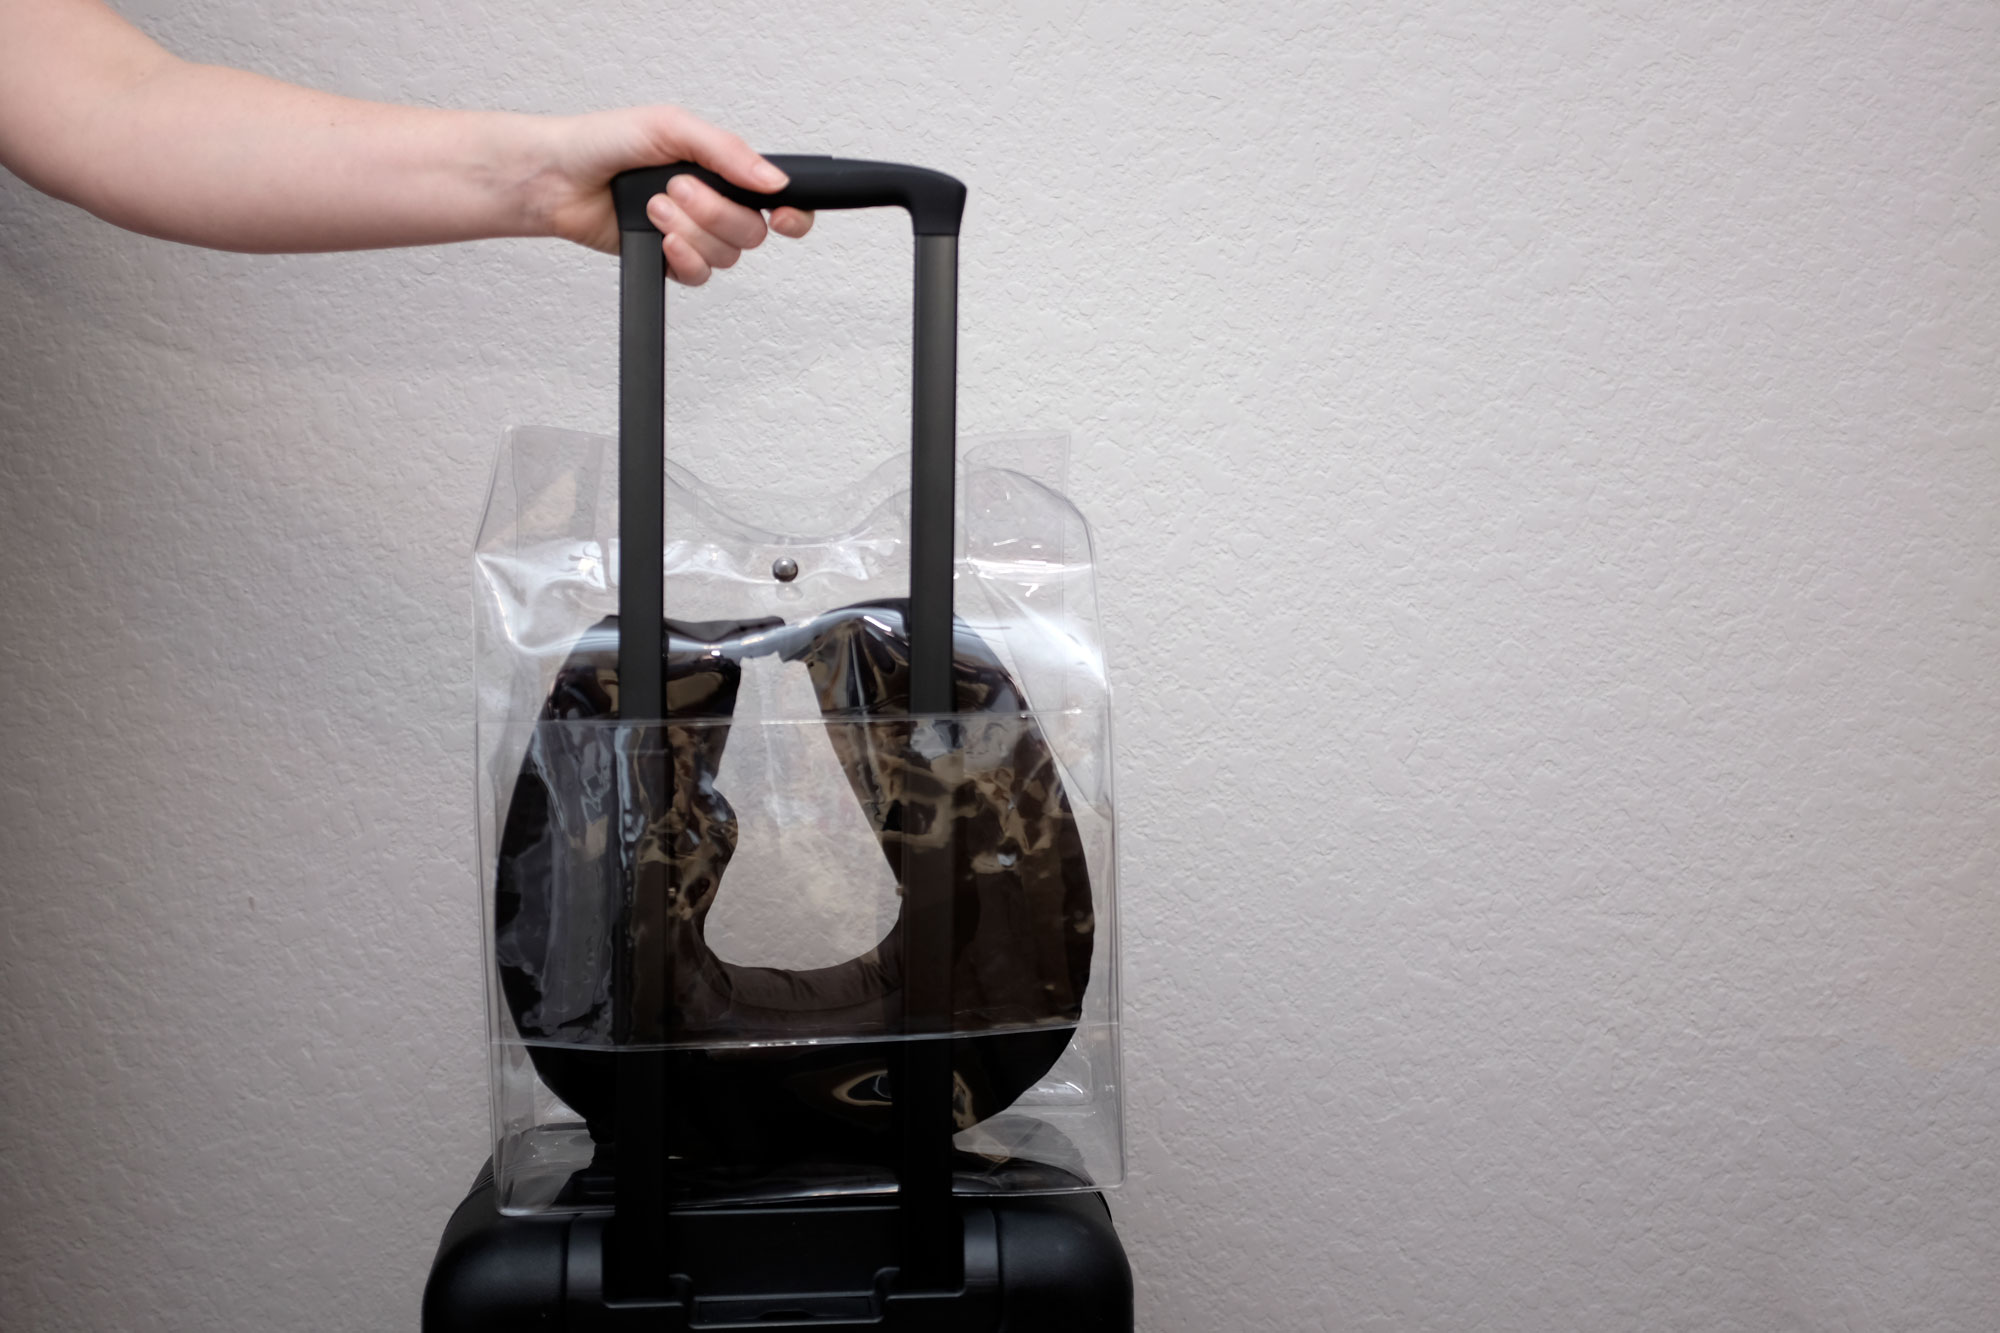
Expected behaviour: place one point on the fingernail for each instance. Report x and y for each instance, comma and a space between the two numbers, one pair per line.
771, 178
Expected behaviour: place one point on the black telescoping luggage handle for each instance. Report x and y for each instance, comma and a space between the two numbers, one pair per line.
931, 1237
935, 202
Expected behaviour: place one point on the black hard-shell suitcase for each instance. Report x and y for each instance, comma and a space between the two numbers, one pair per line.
920, 1260
1040, 1264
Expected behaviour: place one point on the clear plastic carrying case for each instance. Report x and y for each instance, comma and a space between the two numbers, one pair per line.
729, 885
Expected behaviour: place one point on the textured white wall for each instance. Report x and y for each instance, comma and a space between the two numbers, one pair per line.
1548, 480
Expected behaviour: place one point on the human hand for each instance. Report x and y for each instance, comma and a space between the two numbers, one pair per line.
702, 231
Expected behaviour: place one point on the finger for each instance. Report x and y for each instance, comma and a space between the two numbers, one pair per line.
668, 217
723, 153
683, 264
741, 227
793, 222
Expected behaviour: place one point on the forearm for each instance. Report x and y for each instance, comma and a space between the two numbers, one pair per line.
93, 111
228, 159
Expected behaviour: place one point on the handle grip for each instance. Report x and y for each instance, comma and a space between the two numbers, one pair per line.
934, 201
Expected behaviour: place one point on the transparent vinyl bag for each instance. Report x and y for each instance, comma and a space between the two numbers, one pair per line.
735, 871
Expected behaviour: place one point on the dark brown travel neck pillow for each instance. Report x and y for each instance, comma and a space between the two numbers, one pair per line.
1021, 905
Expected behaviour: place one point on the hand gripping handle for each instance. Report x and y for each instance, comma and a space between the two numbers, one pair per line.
934, 201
